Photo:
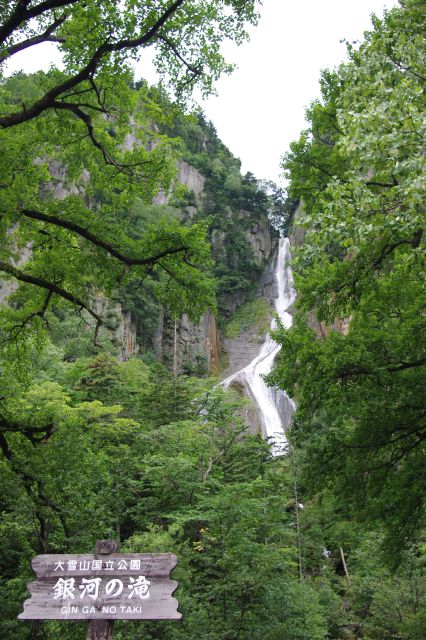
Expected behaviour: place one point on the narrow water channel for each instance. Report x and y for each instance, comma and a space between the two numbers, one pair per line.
274, 406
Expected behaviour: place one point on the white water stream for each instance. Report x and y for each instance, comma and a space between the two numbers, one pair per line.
274, 406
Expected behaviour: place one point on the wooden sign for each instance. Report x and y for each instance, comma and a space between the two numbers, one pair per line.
117, 586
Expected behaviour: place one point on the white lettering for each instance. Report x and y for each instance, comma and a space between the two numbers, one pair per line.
87, 609
139, 587
64, 589
114, 587
69, 609
90, 587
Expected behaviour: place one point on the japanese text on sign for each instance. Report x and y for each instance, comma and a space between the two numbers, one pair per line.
67, 590
120, 564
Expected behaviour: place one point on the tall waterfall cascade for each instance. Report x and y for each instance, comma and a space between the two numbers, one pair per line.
275, 407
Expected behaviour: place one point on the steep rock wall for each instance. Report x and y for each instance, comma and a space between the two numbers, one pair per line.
240, 350
188, 176
200, 346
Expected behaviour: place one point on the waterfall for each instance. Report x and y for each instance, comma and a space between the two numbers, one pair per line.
274, 406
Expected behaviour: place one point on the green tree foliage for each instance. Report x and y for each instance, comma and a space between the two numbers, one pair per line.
359, 170
172, 469
79, 145
91, 447
172, 476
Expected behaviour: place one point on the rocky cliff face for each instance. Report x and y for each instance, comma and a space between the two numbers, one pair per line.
60, 187
188, 176
237, 209
124, 326
9, 286
240, 350
259, 238
199, 345
121, 325
297, 233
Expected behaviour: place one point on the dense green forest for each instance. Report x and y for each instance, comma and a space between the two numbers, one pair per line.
325, 542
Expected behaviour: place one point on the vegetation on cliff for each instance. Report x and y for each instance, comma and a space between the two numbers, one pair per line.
255, 315
91, 447
88, 124
235, 205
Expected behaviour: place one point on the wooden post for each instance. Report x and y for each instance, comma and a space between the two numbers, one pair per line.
102, 629
342, 555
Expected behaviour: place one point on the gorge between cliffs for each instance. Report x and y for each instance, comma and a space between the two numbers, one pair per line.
273, 406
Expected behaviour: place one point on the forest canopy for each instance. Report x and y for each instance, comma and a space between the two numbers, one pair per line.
326, 542
355, 358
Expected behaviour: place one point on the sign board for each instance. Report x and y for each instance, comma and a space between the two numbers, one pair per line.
118, 586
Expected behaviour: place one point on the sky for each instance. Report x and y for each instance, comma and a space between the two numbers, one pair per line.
260, 108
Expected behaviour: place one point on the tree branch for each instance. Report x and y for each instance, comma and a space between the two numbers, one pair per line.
389, 248
408, 365
43, 37
40, 313
372, 183
51, 287
400, 66
29, 432
173, 47
91, 237
87, 72
22, 14
4, 446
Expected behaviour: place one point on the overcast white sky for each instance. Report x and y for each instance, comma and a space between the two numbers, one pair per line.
260, 108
